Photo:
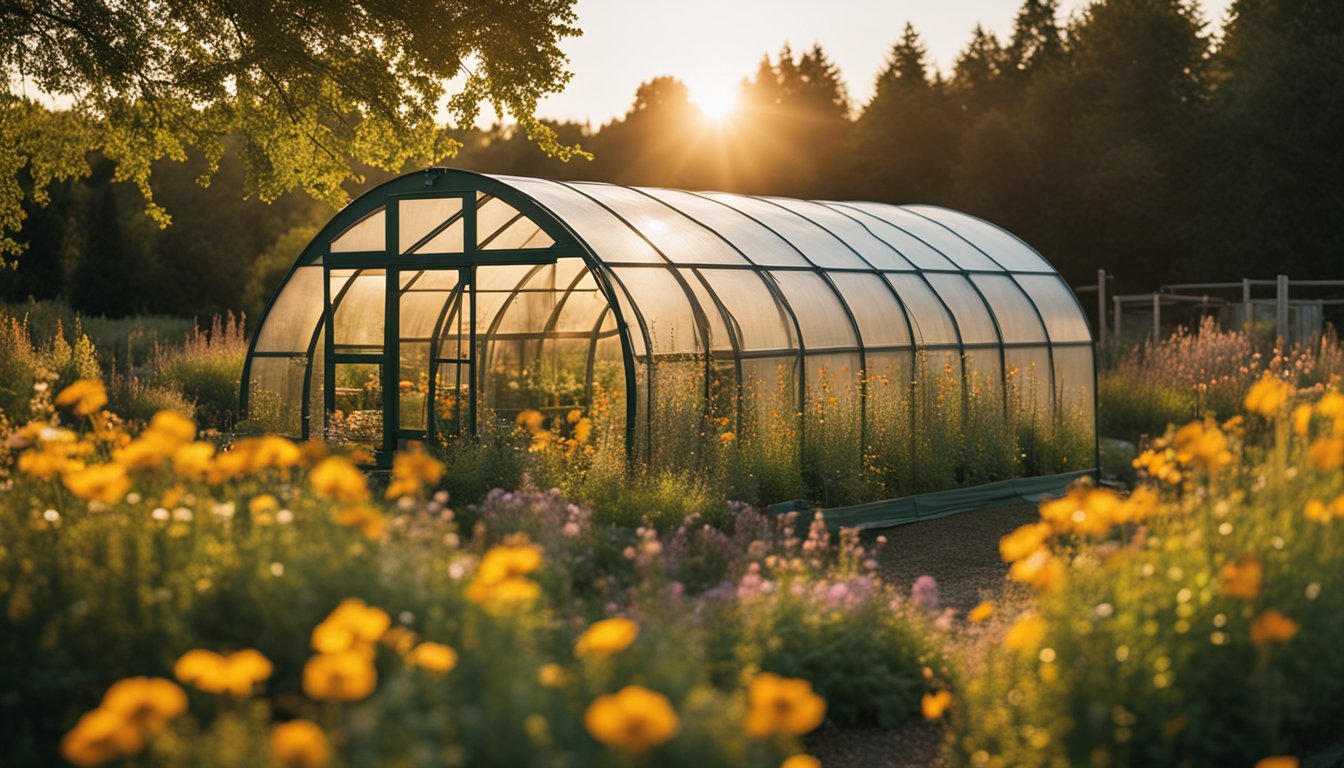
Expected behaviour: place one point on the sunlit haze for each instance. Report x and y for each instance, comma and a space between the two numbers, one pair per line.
711, 45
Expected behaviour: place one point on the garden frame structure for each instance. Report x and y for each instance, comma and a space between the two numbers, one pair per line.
446, 289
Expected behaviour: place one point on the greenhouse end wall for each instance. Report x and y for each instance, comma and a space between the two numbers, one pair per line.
839, 352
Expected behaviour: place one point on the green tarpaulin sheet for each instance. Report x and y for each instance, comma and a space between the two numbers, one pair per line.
930, 506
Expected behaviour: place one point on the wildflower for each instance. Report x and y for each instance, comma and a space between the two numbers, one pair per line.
1203, 445
273, 451
583, 430
1241, 578
47, 462
981, 613
411, 472
1280, 761
85, 397
173, 426
782, 705
727, 437
1302, 420
236, 674
501, 580
262, 504
1026, 634
552, 675
193, 460
1316, 511
353, 625
933, 705
531, 420
1159, 464
1272, 627
299, 744
1084, 511
634, 719
98, 737
145, 703
573, 416
925, 593
1268, 396
341, 676
400, 639
801, 761
606, 638
1327, 453
368, 519
434, 657
1023, 541
338, 478
107, 483
1041, 569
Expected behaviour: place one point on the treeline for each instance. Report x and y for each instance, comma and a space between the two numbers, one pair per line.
1127, 138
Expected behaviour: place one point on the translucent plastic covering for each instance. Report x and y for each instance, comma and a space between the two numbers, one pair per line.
826, 349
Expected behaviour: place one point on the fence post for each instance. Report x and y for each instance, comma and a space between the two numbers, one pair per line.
1247, 309
1116, 300
1157, 319
1281, 311
1101, 305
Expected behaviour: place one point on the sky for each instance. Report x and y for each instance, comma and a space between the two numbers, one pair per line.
710, 45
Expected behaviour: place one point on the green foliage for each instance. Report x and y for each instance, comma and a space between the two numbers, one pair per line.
29, 370
206, 370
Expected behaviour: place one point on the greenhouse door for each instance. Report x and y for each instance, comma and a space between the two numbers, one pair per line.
432, 342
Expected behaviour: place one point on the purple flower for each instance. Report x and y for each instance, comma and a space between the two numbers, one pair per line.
925, 594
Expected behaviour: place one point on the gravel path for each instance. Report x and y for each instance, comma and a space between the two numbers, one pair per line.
961, 553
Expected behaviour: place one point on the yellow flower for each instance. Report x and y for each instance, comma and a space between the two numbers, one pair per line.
1280, 761
933, 705
552, 675
727, 437
400, 639
100, 736
573, 416
1026, 634
1023, 541
342, 676
338, 478
236, 674
299, 744
782, 705
1316, 511
500, 581
981, 613
606, 637
1268, 396
274, 451
531, 420
411, 471
1084, 511
1159, 464
1327, 453
262, 504
107, 483
48, 461
435, 657
1272, 627
801, 761
173, 426
1203, 445
368, 519
1241, 578
353, 625
1040, 569
148, 451
145, 703
583, 430
1302, 420
634, 719
85, 397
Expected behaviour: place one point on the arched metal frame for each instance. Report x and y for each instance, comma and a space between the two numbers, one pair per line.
669, 266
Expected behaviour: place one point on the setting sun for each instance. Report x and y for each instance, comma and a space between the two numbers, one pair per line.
717, 102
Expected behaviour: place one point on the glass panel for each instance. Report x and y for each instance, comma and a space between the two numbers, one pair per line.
770, 432
1017, 318
681, 240
452, 410
294, 314
880, 318
358, 417
413, 385
630, 316
757, 318
856, 235
609, 238
359, 314
938, 437
317, 386
275, 394
1029, 389
582, 304
818, 245
367, 234
820, 314
972, 318
1010, 252
890, 430
756, 242
834, 458
961, 252
719, 340
420, 311
523, 233
1070, 443
418, 218
671, 323
429, 279
912, 248
932, 324
1073, 377
1063, 319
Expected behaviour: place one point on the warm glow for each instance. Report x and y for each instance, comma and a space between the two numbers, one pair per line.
716, 102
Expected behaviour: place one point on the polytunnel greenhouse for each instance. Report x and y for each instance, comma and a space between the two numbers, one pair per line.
844, 353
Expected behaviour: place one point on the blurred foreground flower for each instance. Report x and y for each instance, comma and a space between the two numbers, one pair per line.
236, 674
299, 744
132, 711
782, 705
606, 638
634, 719
85, 397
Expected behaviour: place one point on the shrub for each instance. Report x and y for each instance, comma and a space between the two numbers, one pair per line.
207, 369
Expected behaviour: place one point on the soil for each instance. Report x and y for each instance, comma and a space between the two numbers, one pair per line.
961, 553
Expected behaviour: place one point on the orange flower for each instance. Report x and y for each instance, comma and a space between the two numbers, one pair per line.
501, 580
606, 638
1039, 569
368, 519
1203, 445
299, 744
782, 705
1272, 627
1242, 578
801, 761
634, 719
1327, 453
1268, 396
85, 397
236, 674
338, 478
1026, 634
933, 705
981, 613
145, 703
100, 736
434, 657
1302, 420
342, 676
413, 470
107, 483
353, 625
1280, 761
1024, 541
